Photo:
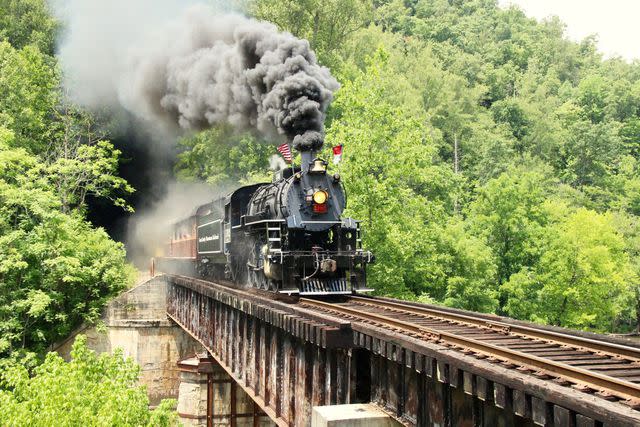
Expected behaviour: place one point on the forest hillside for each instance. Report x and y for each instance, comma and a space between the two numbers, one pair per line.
494, 164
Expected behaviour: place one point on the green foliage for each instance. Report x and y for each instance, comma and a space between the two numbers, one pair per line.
90, 170
55, 269
591, 152
165, 414
325, 23
405, 196
510, 214
470, 270
81, 162
583, 278
628, 226
221, 156
28, 95
89, 390
509, 111
27, 22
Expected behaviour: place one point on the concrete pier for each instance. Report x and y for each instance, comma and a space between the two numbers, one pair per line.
355, 415
137, 322
193, 395
210, 397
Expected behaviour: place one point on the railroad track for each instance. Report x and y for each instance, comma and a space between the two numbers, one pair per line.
611, 371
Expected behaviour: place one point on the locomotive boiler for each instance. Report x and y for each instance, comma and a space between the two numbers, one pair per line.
286, 236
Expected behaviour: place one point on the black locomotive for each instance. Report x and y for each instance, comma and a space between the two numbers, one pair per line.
286, 236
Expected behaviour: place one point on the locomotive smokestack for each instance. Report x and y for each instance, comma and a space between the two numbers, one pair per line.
204, 69
306, 158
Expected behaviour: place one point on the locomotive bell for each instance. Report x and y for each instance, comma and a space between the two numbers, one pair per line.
318, 166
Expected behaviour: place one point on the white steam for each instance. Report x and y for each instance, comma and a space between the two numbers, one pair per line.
148, 231
277, 163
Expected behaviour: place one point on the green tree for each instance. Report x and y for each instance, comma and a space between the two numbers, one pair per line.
630, 134
403, 194
509, 111
592, 97
591, 152
626, 185
222, 156
27, 22
509, 213
325, 23
583, 279
55, 269
628, 225
470, 273
89, 390
28, 96
81, 163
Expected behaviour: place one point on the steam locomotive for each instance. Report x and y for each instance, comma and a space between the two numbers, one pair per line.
287, 236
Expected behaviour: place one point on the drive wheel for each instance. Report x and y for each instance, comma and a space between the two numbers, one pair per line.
256, 277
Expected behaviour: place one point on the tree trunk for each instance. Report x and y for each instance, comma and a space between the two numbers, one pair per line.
456, 170
316, 28
638, 311
455, 153
563, 308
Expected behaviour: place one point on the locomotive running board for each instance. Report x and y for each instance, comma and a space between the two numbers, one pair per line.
297, 292
326, 293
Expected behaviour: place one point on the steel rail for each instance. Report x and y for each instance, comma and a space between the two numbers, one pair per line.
622, 389
581, 343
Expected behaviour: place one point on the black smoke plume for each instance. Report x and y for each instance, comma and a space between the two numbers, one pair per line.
207, 68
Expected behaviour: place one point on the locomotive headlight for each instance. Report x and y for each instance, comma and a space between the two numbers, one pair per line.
320, 197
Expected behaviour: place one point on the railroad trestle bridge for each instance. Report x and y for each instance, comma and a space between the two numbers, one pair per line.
422, 365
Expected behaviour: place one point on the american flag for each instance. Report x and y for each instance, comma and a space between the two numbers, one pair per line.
285, 151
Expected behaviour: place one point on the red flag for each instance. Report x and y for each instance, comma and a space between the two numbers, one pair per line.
285, 151
337, 154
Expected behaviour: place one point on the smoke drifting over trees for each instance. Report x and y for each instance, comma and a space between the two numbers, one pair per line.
200, 70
